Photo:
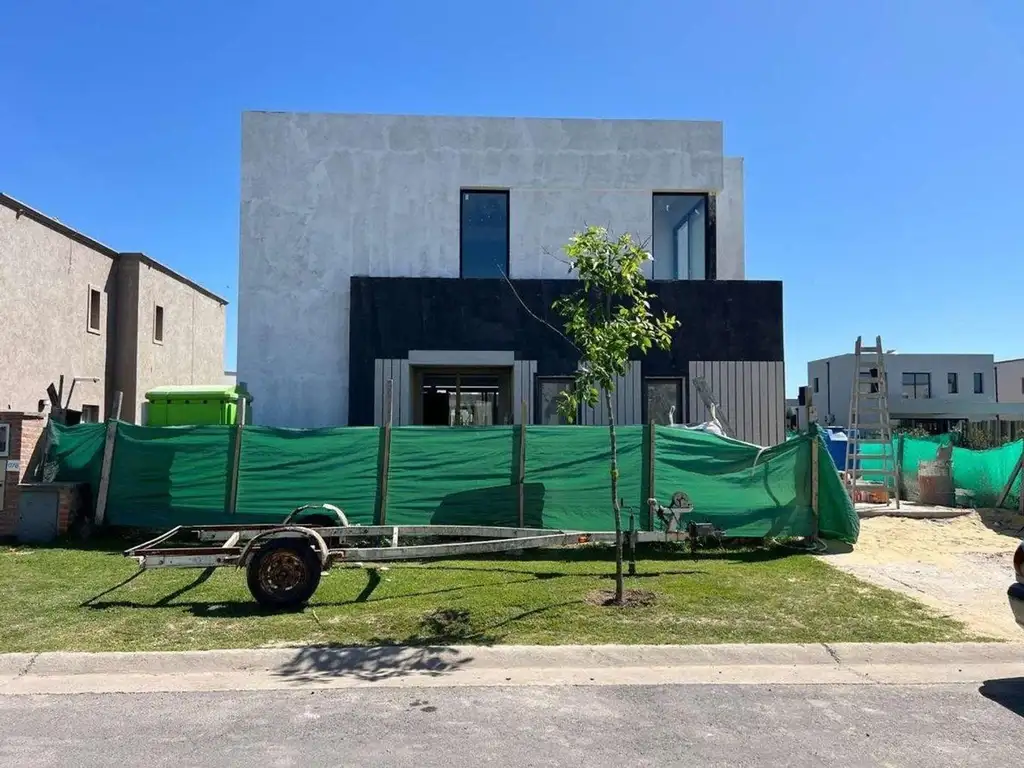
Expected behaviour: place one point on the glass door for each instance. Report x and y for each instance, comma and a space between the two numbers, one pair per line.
463, 397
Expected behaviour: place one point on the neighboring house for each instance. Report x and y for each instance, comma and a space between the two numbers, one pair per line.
422, 250
111, 321
1010, 380
932, 391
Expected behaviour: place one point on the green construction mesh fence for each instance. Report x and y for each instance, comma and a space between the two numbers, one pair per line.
982, 475
164, 476
282, 469
452, 477
753, 492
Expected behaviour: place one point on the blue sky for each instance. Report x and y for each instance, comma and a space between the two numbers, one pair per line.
883, 138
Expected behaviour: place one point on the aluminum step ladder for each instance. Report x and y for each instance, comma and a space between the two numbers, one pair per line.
870, 424
713, 406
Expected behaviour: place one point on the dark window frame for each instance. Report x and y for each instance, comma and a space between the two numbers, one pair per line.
158, 323
710, 229
95, 412
952, 384
537, 401
508, 226
916, 384
98, 327
979, 383
816, 390
684, 397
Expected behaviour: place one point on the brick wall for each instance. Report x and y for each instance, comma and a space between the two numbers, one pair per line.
26, 429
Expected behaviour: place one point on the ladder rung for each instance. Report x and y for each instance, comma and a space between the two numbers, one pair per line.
872, 350
870, 440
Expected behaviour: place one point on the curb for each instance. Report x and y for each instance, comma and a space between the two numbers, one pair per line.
403, 666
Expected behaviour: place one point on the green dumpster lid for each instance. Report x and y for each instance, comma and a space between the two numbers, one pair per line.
209, 391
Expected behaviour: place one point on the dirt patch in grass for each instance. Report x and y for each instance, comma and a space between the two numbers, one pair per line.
960, 567
631, 598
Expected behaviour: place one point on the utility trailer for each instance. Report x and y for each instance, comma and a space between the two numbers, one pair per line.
284, 562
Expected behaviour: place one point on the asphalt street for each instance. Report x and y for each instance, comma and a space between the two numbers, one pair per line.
961, 724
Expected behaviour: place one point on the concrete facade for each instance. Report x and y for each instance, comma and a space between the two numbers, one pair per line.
47, 272
328, 197
831, 383
1010, 381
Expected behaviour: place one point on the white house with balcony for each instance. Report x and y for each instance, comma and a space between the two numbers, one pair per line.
934, 391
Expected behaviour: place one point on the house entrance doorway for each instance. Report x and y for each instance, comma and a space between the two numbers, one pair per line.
462, 397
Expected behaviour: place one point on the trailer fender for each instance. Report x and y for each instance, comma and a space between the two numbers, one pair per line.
342, 519
314, 538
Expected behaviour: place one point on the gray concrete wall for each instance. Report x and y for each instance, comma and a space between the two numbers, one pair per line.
325, 197
1011, 381
44, 303
731, 241
192, 350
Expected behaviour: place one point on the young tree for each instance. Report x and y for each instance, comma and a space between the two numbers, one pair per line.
608, 319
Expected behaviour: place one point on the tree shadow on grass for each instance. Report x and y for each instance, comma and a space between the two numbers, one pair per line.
235, 609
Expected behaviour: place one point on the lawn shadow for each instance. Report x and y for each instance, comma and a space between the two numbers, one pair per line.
379, 661
1008, 692
234, 609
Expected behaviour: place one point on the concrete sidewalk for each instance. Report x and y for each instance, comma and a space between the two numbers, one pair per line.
448, 666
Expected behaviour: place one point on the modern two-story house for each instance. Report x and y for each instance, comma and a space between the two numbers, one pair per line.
426, 252
934, 391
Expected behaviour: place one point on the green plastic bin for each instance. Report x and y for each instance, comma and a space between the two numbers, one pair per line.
192, 404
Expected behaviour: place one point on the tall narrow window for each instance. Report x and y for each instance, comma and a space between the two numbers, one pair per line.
679, 243
979, 383
158, 324
953, 386
95, 310
483, 233
90, 414
816, 384
5, 440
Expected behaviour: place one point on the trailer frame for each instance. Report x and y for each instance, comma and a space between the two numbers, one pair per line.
300, 553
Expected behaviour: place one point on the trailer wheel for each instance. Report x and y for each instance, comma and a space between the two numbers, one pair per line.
284, 573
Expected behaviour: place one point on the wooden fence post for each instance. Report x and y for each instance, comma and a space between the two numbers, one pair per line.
1018, 467
899, 468
385, 453
108, 460
522, 465
236, 455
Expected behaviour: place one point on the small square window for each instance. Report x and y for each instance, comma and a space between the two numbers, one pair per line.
158, 325
952, 384
95, 310
979, 383
90, 414
5, 440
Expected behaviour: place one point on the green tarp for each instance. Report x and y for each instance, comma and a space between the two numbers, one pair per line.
750, 491
165, 476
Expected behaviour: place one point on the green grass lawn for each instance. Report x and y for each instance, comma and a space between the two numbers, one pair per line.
95, 600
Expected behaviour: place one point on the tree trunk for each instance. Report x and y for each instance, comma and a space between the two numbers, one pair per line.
616, 509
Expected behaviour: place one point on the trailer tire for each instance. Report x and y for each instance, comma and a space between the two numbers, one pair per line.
284, 573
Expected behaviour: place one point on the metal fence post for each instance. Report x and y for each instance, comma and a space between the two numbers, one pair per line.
108, 460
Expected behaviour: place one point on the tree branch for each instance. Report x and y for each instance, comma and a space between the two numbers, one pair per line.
534, 315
